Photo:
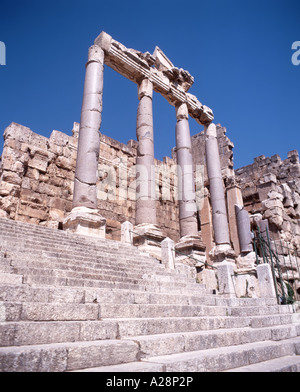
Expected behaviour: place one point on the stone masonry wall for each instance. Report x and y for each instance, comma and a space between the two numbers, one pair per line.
271, 187
37, 175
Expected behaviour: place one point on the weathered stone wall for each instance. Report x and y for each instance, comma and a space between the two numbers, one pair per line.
37, 177
225, 151
271, 187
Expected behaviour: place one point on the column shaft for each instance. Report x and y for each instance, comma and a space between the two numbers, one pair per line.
186, 183
145, 202
86, 174
216, 186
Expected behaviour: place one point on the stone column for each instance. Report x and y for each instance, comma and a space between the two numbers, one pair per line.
85, 217
190, 243
145, 203
217, 195
147, 235
244, 229
186, 183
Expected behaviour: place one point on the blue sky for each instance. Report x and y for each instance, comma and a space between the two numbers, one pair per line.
239, 53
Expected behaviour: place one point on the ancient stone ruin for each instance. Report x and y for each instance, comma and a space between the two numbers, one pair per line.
192, 220
91, 184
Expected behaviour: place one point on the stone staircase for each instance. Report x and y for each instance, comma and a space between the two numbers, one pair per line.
74, 303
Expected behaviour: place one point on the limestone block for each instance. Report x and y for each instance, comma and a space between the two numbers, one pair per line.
85, 221
148, 237
225, 278
208, 277
168, 253
56, 215
39, 162
59, 138
11, 177
18, 132
126, 233
271, 204
265, 281
33, 210
246, 286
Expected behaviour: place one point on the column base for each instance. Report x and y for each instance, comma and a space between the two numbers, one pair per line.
190, 250
220, 253
148, 237
85, 221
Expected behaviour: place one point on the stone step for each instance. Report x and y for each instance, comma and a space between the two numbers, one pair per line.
100, 257
226, 358
97, 268
26, 293
10, 278
37, 311
32, 311
27, 232
46, 332
210, 360
166, 344
153, 326
154, 286
289, 364
61, 357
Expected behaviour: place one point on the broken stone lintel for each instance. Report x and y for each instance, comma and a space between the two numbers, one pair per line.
135, 66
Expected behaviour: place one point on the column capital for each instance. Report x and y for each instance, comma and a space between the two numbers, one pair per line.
96, 54
145, 88
182, 112
210, 129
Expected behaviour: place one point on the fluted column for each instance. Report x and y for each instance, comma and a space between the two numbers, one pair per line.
186, 183
145, 203
216, 187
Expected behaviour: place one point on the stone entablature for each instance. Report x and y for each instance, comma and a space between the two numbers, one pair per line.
171, 82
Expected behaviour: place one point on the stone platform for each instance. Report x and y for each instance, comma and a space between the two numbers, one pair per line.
71, 303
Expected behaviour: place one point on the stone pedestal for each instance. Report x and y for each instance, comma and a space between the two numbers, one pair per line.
221, 253
190, 250
265, 281
225, 279
126, 233
148, 237
86, 221
168, 253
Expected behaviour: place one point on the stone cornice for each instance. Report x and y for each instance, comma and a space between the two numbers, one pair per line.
171, 82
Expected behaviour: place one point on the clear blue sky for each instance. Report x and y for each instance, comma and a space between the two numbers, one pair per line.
239, 53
